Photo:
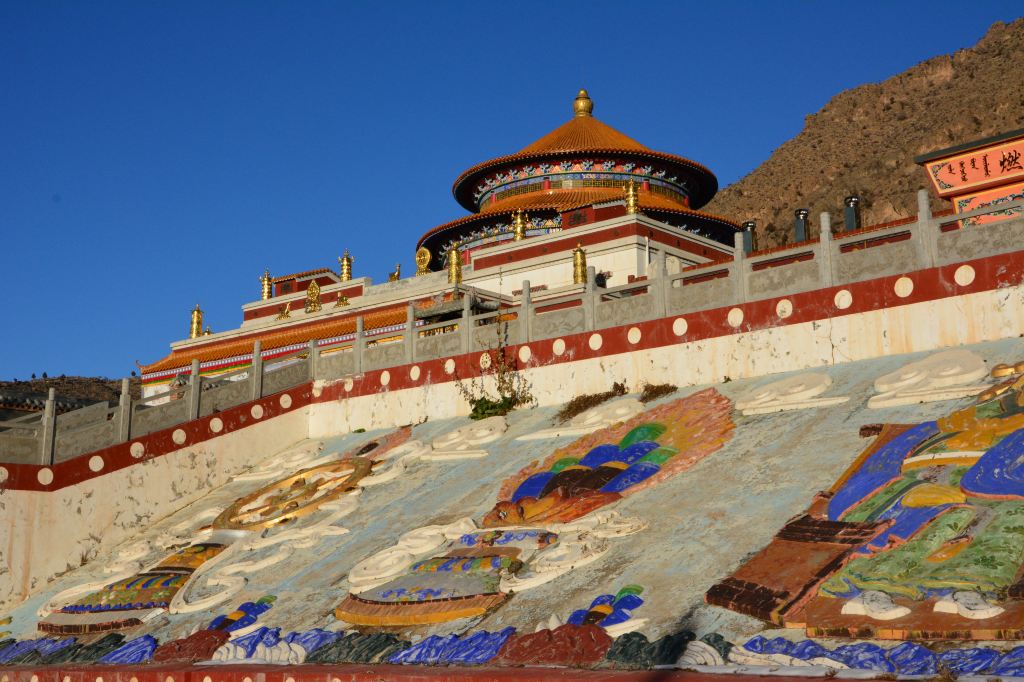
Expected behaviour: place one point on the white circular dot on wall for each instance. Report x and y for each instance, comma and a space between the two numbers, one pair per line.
414, 372
246, 679
558, 347
903, 287
134, 679
137, 450
784, 308
35, 678
216, 424
100, 679
285, 401
843, 299
634, 335
964, 275
679, 326
178, 436
348, 384
45, 476
485, 360
595, 342
735, 317
3, 474
449, 366
289, 679
256, 412
168, 679
96, 463
385, 378
525, 354
207, 678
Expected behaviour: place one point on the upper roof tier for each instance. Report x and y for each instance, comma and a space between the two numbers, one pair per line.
582, 154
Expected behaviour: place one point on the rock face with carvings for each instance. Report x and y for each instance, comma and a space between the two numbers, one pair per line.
798, 392
946, 375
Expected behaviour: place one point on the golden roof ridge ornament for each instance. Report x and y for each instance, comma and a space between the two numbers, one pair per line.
454, 265
583, 106
519, 223
313, 304
632, 197
345, 266
266, 289
195, 328
422, 261
284, 312
579, 264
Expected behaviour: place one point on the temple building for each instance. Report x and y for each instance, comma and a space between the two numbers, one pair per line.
584, 197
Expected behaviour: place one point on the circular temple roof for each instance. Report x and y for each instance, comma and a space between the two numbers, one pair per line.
582, 162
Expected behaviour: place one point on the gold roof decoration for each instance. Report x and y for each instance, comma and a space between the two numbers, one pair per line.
583, 106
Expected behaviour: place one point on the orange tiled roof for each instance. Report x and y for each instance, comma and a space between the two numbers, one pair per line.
305, 273
271, 338
583, 132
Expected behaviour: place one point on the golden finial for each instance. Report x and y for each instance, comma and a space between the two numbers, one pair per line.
519, 223
583, 106
579, 264
341, 302
284, 312
208, 331
422, 260
397, 274
454, 265
313, 298
345, 265
632, 198
266, 281
195, 329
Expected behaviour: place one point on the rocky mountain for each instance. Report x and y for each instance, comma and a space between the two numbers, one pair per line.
864, 140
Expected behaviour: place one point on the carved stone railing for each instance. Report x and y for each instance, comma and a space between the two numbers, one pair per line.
831, 260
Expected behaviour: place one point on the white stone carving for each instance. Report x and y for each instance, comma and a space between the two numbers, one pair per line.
465, 442
874, 604
792, 393
699, 653
969, 605
597, 417
947, 375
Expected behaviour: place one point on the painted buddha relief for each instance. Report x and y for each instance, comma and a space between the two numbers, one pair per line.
300, 505
548, 520
931, 520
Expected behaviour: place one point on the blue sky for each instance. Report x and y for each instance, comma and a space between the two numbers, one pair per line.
155, 154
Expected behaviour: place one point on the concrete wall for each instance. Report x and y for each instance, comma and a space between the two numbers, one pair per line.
45, 534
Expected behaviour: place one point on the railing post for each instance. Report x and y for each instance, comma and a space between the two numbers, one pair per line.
590, 298
256, 371
525, 310
738, 270
465, 330
195, 389
48, 434
357, 346
124, 412
826, 268
410, 333
926, 231
658, 278
314, 359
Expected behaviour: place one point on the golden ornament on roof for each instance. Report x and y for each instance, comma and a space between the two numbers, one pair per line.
284, 312
195, 328
422, 260
341, 302
454, 265
397, 274
583, 106
266, 281
313, 298
519, 223
632, 197
579, 264
345, 266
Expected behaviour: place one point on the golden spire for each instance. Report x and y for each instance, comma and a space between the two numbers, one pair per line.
583, 106
519, 223
579, 264
195, 329
313, 304
632, 198
422, 261
345, 263
454, 265
266, 281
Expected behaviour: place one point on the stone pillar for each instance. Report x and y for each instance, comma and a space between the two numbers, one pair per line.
926, 232
256, 371
826, 269
657, 283
314, 359
410, 333
195, 389
48, 434
738, 270
357, 346
465, 325
590, 298
525, 312
124, 412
